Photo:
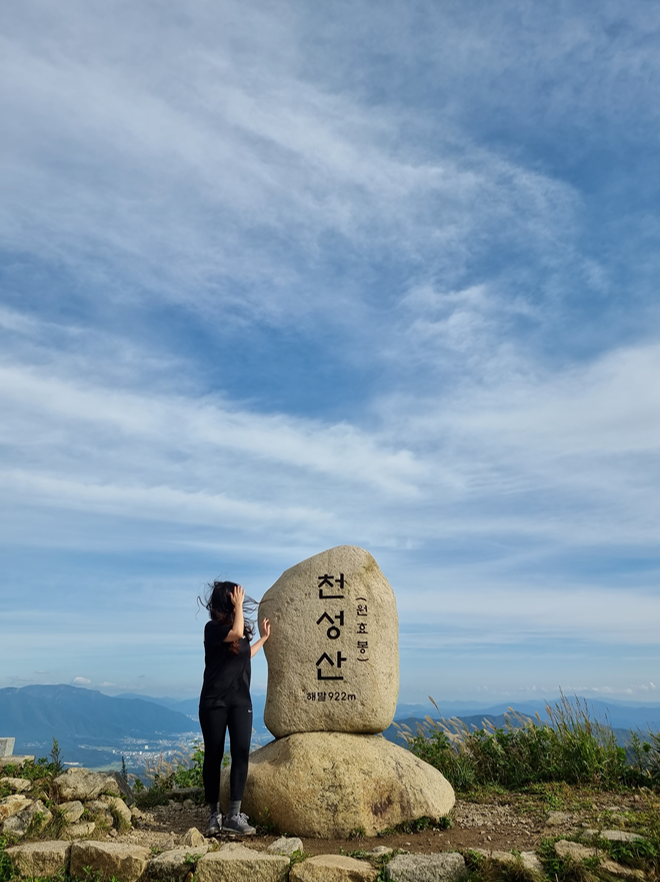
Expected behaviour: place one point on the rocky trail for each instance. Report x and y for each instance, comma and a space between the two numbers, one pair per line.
514, 821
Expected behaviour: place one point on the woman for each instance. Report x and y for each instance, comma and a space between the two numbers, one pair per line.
225, 701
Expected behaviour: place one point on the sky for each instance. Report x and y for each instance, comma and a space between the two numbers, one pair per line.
281, 276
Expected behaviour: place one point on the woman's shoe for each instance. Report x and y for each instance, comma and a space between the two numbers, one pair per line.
238, 824
213, 825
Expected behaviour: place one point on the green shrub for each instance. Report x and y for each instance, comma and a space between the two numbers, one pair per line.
569, 747
5, 863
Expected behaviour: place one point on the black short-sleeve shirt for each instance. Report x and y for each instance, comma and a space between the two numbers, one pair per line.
226, 673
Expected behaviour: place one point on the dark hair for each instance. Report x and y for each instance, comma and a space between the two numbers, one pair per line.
221, 609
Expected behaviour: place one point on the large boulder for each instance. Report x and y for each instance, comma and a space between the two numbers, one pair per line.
330, 785
333, 656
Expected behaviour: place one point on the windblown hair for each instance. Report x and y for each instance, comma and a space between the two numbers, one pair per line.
221, 609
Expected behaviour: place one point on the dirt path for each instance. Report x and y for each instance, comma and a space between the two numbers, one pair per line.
504, 822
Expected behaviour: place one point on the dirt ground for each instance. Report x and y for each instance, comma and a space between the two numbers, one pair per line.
497, 821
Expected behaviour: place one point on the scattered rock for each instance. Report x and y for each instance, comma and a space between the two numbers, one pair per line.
124, 788
527, 858
72, 810
335, 633
332, 868
108, 859
39, 859
80, 830
119, 807
286, 845
18, 785
614, 835
15, 760
368, 784
174, 864
12, 805
34, 813
380, 850
79, 783
193, 838
236, 863
557, 819
576, 852
426, 867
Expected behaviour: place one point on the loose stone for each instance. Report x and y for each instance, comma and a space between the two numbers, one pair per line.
236, 863
448, 866
108, 859
286, 845
332, 868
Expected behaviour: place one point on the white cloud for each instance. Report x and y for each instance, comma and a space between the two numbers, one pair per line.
81, 681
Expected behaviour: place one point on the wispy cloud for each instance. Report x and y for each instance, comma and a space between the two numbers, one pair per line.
280, 277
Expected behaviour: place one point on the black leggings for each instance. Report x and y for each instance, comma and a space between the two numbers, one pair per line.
215, 722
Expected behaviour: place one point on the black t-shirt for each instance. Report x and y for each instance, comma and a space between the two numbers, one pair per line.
226, 673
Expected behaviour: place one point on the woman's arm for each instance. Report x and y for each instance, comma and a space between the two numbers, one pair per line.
254, 649
237, 597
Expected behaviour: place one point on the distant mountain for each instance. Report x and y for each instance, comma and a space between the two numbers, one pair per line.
617, 714
621, 717
189, 706
36, 714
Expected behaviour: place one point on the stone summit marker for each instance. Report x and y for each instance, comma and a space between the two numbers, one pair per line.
333, 682
333, 655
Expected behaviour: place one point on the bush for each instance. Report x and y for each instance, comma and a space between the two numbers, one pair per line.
570, 747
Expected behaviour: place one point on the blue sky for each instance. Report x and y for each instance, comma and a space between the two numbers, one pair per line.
281, 276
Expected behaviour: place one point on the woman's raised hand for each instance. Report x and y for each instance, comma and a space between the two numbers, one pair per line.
237, 596
265, 629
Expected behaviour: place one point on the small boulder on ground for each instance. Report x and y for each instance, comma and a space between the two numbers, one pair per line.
332, 868
286, 845
236, 863
107, 859
119, 808
17, 785
449, 866
614, 835
193, 838
81, 829
527, 858
72, 810
578, 853
174, 865
39, 859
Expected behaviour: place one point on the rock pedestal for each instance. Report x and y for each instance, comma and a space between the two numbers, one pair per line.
333, 682
330, 785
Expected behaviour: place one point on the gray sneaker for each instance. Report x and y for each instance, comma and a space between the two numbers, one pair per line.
238, 824
213, 825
